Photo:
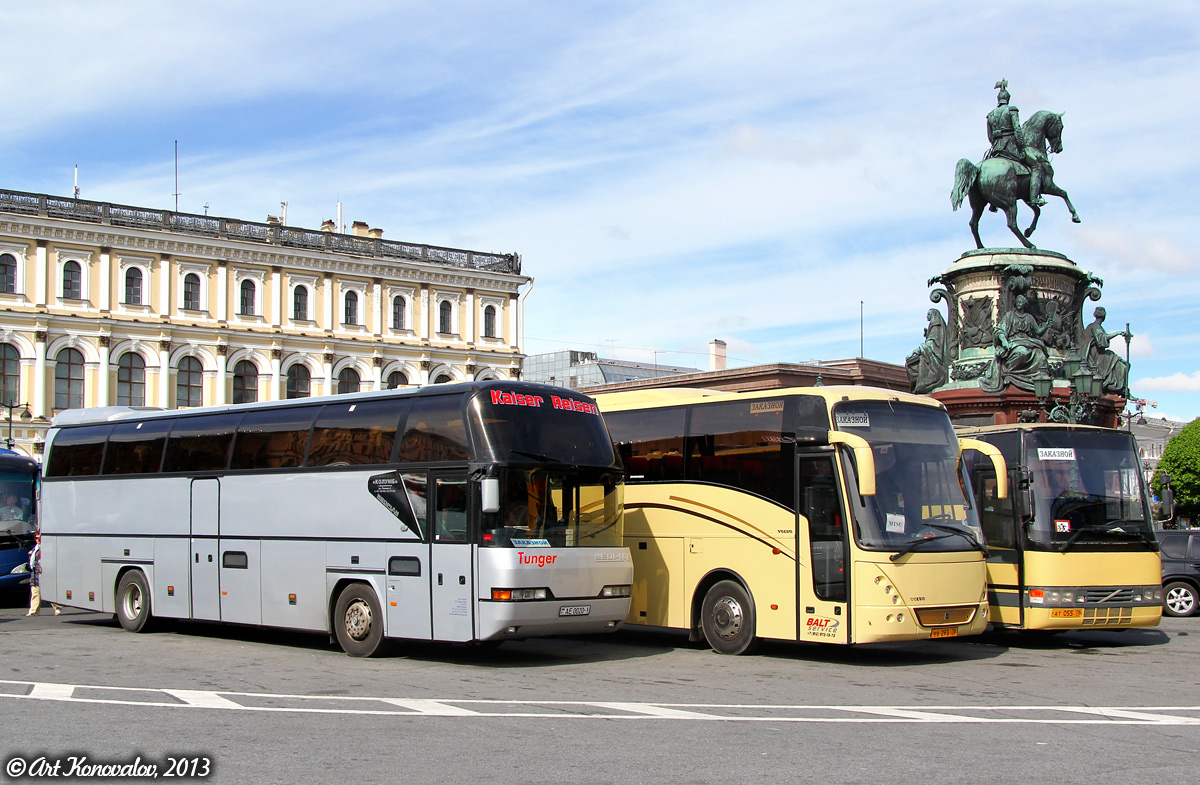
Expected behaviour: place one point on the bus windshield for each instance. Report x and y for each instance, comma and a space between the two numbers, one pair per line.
548, 508
521, 426
1087, 488
919, 504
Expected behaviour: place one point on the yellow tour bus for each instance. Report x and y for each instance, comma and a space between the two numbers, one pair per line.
1073, 545
824, 514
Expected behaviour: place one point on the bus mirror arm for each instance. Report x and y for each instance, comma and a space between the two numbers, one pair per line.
863, 457
992, 452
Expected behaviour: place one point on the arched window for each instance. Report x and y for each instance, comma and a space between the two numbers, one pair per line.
245, 382
489, 322
442, 379
131, 380
396, 379
445, 313
348, 381
72, 281
10, 370
299, 381
133, 286
8, 273
247, 302
191, 292
300, 304
68, 379
398, 320
351, 308
189, 383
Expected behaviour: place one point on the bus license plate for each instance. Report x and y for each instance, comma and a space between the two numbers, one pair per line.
944, 632
1066, 613
575, 610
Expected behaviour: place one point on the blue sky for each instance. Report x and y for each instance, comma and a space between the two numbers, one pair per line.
671, 172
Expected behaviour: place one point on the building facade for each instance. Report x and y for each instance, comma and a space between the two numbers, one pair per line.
104, 304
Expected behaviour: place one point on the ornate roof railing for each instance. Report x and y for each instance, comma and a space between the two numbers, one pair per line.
271, 233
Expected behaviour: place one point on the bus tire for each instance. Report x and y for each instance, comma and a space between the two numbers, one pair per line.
358, 621
133, 602
1180, 599
727, 618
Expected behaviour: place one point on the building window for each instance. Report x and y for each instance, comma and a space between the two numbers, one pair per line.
442, 379
489, 322
445, 314
10, 370
189, 383
72, 281
133, 286
245, 382
398, 320
300, 304
68, 379
191, 292
397, 379
299, 382
8, 273
131, 380
351, 308
348, 381
247, 302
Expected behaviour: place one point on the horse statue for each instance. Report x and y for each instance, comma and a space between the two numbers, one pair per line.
999, 183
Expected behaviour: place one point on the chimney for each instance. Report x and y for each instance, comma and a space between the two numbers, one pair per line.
716, 355
359, 229
375, 234
328, 225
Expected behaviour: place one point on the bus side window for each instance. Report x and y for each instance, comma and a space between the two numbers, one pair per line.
416, 488
996, 515
819, 504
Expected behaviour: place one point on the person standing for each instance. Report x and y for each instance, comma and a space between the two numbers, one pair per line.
35, 574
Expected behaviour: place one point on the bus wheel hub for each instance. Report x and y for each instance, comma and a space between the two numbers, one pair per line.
358, 620
727, 618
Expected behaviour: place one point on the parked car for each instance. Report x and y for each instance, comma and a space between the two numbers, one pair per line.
1180, 571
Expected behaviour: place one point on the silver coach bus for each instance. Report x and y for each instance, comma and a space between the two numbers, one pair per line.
476, 512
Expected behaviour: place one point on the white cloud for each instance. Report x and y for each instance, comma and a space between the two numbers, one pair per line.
1176, 382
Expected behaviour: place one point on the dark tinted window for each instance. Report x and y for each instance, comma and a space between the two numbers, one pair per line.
355, 433
435, 431
1174, 546
136, 447
200, 444
522, 423
272, 438
743, 444
77, 452
650, 442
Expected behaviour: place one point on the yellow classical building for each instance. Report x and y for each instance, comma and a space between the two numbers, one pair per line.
104, 304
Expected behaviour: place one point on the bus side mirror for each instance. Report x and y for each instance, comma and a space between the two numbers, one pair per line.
863, 457
992, 452
1024, 505
489, 494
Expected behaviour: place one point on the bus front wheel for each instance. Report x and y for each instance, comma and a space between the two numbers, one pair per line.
358, 621
133, 601
727, 618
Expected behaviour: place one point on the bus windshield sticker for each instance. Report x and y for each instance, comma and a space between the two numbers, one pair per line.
1056, 453
765, 407
852, 420
1062, 527
538, 543
895, 522
388, 490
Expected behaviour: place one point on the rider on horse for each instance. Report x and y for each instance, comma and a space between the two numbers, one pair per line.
1004, 134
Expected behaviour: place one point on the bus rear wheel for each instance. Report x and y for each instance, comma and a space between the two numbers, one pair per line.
1179, 599
358, 621
727, 618
133, 602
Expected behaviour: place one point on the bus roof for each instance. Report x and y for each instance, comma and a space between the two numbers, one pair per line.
100, 414
1029, 426
667, 396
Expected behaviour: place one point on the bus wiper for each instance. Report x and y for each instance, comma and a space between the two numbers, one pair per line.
971, 538
912, 546
537, 456
1112, 527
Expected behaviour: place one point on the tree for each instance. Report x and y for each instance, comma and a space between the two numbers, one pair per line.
1181, 460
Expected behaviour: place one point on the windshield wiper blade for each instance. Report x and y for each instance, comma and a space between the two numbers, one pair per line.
1110, 528
912, 546
537, 456
970, 535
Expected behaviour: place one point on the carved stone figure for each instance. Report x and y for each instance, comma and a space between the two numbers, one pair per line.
1113, 371
1020, 352
1059, 334
926, 366
976, 322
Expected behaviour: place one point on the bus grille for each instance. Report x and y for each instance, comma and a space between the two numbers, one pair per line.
1107, 594
945, 617
1104, 616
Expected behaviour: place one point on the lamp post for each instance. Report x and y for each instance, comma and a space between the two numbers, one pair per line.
1080, 408
25, 417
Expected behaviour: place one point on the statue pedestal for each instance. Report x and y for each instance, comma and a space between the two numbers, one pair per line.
1014, 327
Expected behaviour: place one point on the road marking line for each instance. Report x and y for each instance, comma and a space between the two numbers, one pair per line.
911, 714
1126, 714
431, 708
51, 692
204, 699
654, 710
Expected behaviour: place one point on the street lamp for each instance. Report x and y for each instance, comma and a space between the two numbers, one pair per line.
25, 417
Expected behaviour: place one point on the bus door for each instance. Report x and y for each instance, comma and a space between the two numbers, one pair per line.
999, 520
821, 535
451, 561
206, 582
408, 603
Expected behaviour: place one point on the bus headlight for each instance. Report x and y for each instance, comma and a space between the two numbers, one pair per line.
518, 595
615, 591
